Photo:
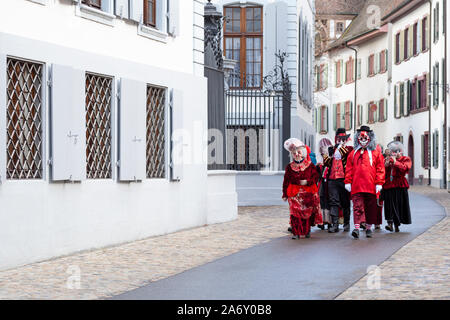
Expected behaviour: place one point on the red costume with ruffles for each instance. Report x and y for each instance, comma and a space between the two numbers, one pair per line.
304, 201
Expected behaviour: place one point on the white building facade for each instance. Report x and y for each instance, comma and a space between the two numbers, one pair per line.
400, 92
105, 110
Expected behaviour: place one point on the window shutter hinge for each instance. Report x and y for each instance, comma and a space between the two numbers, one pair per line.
50, 162
118, 163
49, 83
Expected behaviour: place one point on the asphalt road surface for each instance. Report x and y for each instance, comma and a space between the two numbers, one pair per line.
321, 267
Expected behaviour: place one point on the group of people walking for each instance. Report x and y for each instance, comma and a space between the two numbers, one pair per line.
321, 193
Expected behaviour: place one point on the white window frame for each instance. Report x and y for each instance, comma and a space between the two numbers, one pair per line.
94, 14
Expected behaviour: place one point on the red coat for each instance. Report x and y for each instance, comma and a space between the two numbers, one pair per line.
361, 174
293, 177
397, 172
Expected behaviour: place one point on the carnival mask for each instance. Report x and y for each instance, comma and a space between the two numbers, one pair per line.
298, 154
364, 139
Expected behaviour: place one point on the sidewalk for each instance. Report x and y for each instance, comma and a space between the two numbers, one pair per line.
111, 271
420, 270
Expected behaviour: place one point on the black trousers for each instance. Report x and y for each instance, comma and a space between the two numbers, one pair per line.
338, 198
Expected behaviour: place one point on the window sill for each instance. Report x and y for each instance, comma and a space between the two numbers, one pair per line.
43, 2
96, 15
152, 33
419, 110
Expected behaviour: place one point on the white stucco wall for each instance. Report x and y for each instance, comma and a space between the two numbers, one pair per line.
41, 219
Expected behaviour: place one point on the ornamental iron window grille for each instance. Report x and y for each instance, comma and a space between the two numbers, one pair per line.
24, 120
156, 101
98, 126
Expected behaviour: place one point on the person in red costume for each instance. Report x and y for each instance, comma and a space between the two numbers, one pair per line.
300, 190
364, 178
395, 189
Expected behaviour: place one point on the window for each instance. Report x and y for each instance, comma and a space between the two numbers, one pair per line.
358, 69
156, 100
372, 112
425, 34
322, 77
98, 126
243, 42
382, 110
24, 120
436, 85
414, 99
425, 150
436, 149
405, 43
408, 89
415, 50
339, 27
150, 13
349, 70
348, 115
383, 61
93, 3
338, 73
371, 65
322, 119
397, 48
359, 115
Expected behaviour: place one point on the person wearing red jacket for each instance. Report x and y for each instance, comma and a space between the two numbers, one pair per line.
395, 189
364, 178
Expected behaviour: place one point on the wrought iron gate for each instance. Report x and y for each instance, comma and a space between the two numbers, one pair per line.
258, 121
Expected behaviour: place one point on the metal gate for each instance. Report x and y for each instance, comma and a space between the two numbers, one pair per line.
258, 121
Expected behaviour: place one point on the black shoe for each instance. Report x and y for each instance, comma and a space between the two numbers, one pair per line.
346, 227
389, 227
334, 228
369, 233
377, 227
355, 233
363, 226
308, 235
289, 229
328, 226
321, 226
294, 237
397, 229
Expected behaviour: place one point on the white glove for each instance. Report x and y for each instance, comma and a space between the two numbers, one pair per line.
378, 188
337, 154
348, 187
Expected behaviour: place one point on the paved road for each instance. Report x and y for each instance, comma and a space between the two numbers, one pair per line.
318, 268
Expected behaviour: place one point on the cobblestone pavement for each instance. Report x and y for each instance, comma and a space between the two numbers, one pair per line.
114, 270
419, 270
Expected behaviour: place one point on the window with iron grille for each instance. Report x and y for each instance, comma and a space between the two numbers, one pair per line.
98, 127
24, 120
93, 3
156, 101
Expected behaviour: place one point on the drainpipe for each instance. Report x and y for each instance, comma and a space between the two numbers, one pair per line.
355, 106
429, 92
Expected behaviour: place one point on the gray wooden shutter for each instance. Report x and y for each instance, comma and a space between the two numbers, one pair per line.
3, 118
326, 119
177, 137
334, 117
132, 140
68, 128
173, 13
107, 6
121, 8
137, 10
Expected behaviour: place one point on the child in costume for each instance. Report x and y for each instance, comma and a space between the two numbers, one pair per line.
395, 189
364, 178
338, 197
324, 144
300, 190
